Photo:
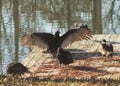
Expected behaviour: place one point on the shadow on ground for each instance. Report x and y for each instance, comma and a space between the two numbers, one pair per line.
81, 54
84, 68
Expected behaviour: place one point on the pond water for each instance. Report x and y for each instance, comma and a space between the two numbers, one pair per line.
19, 17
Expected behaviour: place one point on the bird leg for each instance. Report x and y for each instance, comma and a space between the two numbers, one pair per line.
66, 74
60, 68
110, 55
104, 58
107, 56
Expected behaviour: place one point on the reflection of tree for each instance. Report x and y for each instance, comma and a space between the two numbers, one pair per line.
0, 28
68, 8
110, 20
34, 12
97, 17
0, 16
1, 19
111, 14
63, 12
16, 24
66, 12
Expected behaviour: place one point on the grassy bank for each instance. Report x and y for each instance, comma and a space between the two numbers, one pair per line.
34, 81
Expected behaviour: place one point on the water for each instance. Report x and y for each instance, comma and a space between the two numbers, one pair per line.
50, 16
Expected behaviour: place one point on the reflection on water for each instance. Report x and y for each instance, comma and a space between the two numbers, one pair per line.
19, 17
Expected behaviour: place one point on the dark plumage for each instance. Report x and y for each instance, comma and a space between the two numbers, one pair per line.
107, 48
52, 42
16, 69
64, 57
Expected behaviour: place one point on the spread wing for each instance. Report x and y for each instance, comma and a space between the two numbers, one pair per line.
41, 40
75, 35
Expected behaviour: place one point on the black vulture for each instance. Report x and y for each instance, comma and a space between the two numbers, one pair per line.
107, 48
64, 57
16, 69
52, 42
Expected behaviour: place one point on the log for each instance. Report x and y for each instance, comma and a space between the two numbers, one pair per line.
79, 49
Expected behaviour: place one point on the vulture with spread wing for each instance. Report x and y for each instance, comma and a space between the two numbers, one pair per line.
52, 42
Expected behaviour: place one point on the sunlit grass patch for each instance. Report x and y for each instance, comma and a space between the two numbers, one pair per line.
88, 72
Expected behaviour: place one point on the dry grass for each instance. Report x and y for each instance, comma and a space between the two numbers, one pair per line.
34, 81
83, 72
99, 68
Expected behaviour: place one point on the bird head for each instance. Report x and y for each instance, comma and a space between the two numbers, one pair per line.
10, 65
103, 41
25, 39
57, 33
